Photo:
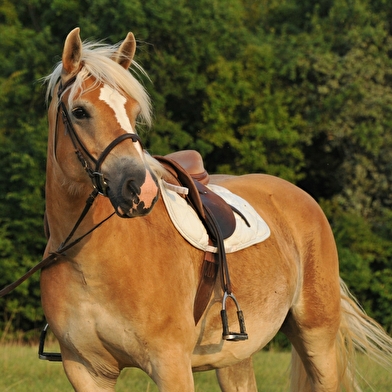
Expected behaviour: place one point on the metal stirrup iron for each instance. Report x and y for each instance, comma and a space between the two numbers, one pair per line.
48, 356
227, 335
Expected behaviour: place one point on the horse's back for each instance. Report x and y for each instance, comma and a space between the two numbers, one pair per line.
274, 196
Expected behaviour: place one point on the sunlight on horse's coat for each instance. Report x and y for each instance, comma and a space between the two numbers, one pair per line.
124, 295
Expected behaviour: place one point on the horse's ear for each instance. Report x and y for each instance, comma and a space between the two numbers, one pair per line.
126, 51
72, 51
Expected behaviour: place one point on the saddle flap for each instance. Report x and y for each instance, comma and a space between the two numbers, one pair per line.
220, 210
201, 198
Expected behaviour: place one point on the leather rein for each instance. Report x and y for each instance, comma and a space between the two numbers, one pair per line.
99, 183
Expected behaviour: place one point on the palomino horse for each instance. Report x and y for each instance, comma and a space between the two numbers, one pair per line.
123, 296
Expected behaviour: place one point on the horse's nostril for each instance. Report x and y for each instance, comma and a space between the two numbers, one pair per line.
131, 190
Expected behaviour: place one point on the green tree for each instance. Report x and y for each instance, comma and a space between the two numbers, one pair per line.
297, 88
22, 159
335, 69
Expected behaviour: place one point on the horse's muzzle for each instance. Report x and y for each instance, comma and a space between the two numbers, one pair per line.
133, 195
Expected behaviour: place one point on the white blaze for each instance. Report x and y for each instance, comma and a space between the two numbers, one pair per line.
116, 102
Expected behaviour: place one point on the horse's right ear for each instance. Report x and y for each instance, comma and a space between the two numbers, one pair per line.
126, 51
72, 51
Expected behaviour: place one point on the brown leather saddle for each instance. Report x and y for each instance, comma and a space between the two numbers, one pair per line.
186, 168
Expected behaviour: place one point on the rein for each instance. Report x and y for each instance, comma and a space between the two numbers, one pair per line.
97, 178
64, 246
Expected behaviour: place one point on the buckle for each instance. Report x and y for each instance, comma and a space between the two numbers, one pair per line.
100, 183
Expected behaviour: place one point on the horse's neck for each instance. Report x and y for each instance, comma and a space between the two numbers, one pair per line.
65, 204
63, 210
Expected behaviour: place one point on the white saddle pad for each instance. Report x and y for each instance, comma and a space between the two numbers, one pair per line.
192, 229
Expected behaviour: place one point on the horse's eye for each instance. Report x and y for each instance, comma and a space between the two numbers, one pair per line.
79, 113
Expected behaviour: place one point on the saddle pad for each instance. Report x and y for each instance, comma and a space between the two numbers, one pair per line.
192, 229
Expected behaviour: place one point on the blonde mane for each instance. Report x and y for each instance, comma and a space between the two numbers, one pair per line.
97, 62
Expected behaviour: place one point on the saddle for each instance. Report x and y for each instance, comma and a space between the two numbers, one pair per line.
186, 169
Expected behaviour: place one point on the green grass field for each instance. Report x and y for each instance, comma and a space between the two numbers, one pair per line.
22, 371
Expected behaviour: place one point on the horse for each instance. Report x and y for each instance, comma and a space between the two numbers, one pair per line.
123, 295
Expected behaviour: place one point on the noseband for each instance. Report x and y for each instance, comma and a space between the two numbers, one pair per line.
97, 177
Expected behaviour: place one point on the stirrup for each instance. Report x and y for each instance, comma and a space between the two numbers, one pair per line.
53, 357
227, 335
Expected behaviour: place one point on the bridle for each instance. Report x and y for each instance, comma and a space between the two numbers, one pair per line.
97, 177
99, 183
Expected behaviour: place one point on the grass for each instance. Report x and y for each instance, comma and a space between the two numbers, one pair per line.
22, 371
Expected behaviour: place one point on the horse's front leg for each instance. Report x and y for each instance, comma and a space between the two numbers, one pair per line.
172, 371
87, 377
237, 378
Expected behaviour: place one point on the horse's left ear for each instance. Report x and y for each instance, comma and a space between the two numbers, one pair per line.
72, 51
126, 51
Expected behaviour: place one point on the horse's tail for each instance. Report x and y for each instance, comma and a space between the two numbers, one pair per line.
357, 333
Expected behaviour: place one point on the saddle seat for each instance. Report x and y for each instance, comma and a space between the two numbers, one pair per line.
192, 162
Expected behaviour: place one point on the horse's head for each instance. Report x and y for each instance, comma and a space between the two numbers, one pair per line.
98, 102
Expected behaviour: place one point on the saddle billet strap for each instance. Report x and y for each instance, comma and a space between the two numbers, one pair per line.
206, 285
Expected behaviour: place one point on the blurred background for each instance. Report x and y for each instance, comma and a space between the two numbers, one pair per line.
300, 89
